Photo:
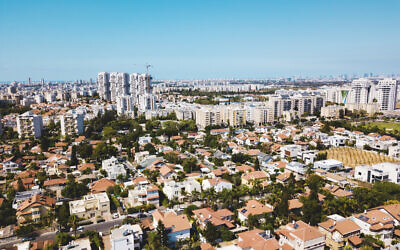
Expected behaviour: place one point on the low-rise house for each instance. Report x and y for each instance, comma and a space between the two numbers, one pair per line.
254, 208
338, 232
167, 173
24, 195
101, 185
145, 194
178, 226
143, 140
291, 151
329, 164
337, 141
295, 206
113, 168
251, 178
78, 244
298, 169
174, 189
34, 208
221, 217
10, 166
55, 185
283, 178
126, 237
338, 191
217, 183
300, 236
257, 239
385, 171
376, 223
91, 206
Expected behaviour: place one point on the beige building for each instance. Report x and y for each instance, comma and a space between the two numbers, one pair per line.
370, 108
262, 115
234, 116
91, 206
337, 233
208, 116
332, 111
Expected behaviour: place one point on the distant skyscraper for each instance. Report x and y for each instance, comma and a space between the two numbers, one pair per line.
387, 94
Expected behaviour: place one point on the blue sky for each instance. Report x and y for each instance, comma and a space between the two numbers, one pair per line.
189, 39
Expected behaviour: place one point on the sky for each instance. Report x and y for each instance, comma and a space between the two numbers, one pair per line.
197, 39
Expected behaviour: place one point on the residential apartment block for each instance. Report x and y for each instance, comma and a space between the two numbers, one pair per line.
91, 206
29, 124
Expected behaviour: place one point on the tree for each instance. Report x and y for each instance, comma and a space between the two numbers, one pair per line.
190, 165
226, 235
62, 239
104, 151
257, 164
25, 230
44, 143
162, 234
282, 209
252, 221
62, 214
73, 189
74, 160
7, 213
210, 232
73, 222
172, 158
85, 150
149, 147
21, 186
240, 158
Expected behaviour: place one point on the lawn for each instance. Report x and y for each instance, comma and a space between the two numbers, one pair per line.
352, 157
384, 125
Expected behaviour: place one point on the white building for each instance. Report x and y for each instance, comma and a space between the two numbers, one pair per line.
113, 168
387, 94
126, 237
125, 105
103, 81
360, 91
328, 164
385, 171
174, 189
72, 123
29, 124
217, 183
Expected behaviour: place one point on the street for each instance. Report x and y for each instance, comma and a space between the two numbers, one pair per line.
103, 227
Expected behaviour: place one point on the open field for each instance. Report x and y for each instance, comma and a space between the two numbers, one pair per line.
352, 157
384, 125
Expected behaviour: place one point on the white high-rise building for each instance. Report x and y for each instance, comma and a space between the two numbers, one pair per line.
387, 94
103, 81
125, 105
72, 123
147, 102
360, 91
29, 124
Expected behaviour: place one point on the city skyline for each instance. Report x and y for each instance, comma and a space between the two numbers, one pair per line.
197, 40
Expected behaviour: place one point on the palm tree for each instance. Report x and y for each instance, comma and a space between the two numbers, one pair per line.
73, 222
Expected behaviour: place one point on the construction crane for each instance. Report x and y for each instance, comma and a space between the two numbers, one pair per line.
148, 66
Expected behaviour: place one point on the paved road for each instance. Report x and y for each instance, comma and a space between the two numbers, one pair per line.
103, 227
